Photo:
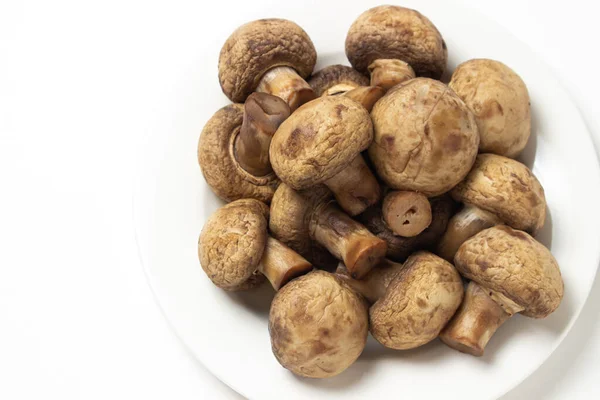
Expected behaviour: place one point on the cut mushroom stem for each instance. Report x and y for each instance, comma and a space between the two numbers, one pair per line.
466, 223
355, 187
263, 113
280, 264
366, 95
347, 240
285, 83
406, 213
387, 73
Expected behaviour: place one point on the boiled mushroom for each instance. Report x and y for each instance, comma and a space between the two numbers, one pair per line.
406, 213
373, 286
510, 273
388, 73
234, 246
318, 325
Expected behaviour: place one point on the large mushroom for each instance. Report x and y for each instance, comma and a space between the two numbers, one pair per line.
268, 55
318, 325
310, 218
497, 190
321, 142
425, 137
234, 247
510, 273
499, 99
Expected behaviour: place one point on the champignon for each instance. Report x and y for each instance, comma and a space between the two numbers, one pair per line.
406, 213
321, 142
299, 219
396, 33
425, 137
318, 325
499, 99
389, 73
497, 190
336, 79
373, 286
367, 96
510, 272
234, 245
268, 55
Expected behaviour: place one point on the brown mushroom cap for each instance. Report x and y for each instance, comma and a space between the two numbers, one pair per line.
418, 303
256, 47
505, 188
514, 264
499, 99
318, 325
394, 32
425, 137
216, 156
336, 76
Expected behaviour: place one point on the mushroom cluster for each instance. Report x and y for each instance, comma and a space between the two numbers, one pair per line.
373, 197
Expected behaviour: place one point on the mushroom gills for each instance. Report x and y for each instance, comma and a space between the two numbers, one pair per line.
280, 264
285, 83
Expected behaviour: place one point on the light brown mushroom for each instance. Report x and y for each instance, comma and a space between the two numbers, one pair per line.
318, 325
301, 219
321, 143
234, 246
373, 286
388, 73
406, 213
268, 55
367, 96
497, 190
510, 272
425, 137
499, 99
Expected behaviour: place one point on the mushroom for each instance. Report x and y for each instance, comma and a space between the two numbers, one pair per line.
510, 272
425, 137
499, 99
396, 33
389, 73
233, 150
321, 142
318, 325
301, 219
497, 190
367, 96
373, 286
406, 213
234, 245
268, 55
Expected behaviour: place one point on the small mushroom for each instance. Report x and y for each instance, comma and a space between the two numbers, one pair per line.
234, 245
389, 73
425, 137
268, 55
233, 150
336, 79
510, 272
497, 190
373, 286
318, 325
367, 96
321, 143
299, 219
499, 99
406, 213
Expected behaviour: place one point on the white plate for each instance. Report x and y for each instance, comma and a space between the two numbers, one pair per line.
228, 333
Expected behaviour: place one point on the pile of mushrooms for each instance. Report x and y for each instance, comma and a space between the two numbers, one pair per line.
373, 197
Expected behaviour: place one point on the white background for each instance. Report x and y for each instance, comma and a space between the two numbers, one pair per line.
79, 83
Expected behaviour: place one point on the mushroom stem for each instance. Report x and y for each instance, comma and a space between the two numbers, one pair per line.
466, 223
366, 95
285, 83
406, 213
375, 283
355, 187
475, 322
347, 240
340, 88
388, 73
280, 264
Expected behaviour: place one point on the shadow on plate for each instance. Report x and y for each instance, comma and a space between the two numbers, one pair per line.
257, 301
527, 157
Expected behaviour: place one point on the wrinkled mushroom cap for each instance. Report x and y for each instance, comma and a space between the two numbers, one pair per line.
333, 75
514, 264
397, 32
319, 140
507, 189
256, 47
425, 137
232, 242
418, 302
219, 166
318, 325
499, 99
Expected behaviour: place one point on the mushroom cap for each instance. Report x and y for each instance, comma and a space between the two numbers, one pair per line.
232, 242
318, 325
333, 75
514, 264
219, 166
397, 32
319, 140
499, 99
418, 303
256, 47
507, 189
425, 137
